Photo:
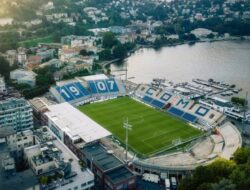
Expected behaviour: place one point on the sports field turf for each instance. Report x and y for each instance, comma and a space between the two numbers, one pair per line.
152, 131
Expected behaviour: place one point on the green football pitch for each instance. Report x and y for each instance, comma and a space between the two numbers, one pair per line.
152, 130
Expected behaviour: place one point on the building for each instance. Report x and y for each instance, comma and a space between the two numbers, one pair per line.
2, 85
16, 113
66, 121
40, 106
23, 77
33, 62
53, 62
10, 176
46, 54
110, 172
50, 158
81, 135
21, 57
8, 165
202, 32
66, 53
20, 140
218, 104
11, 56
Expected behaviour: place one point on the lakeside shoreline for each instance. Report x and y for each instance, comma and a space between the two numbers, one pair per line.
138, 47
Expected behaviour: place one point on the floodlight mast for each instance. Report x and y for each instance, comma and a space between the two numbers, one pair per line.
127, 126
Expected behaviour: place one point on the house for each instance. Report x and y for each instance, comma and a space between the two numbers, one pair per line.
21, 57
202, 32
45, 54
66, 53
23, 77
33, 61
53, 62
11, 56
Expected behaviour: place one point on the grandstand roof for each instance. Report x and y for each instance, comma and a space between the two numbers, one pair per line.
75, 124
95, 77
64, 82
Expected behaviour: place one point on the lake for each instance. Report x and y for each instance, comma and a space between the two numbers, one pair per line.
227, 61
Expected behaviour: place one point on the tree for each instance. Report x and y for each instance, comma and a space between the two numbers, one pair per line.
242, 156
4, 68
204, 176
221, 174
43, 80
224, 184
238, 100
119, 51
105, 54
83, 52
241, 177
109, 40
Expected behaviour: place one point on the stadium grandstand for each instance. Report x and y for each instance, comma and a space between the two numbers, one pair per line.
170, 143
221, 144
82, 90
179, 106
65, 120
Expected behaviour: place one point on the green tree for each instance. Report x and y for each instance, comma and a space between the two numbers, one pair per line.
205, 175
83, 52
238, 100
109, 40
105, 54
242, 155
4, 68
119, 51
224, 184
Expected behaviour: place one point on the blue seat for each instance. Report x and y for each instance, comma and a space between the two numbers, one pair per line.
74, 91
101, 86
157, 103
92, 87
112, 86
147, 99
82, 88
176, 111
189, 117
65, 93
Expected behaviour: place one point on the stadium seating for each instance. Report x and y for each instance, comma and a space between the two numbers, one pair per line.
112, 86
147, 99
92, 87
189, 117
75, 92
165, 97
81, 88
202, 111
177, 105
182, 103
176, 111
103, 86
150, 91
157, 103
72, 91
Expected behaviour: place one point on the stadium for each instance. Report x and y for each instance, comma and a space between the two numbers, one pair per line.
167, 133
